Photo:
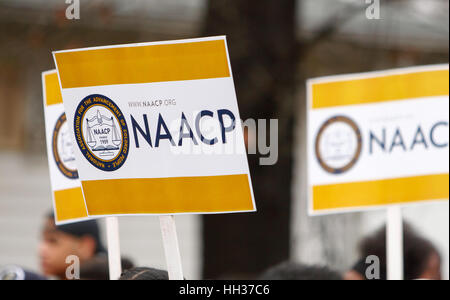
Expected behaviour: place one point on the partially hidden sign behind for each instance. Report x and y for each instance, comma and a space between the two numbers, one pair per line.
378, 139
68, 202
156, 127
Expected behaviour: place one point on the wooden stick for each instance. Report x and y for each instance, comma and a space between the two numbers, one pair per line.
114, 260
394, 243
171, 248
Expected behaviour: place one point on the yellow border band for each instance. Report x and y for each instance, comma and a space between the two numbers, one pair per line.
168, 195
380, 89
381, 192
143, 64
52, 90
69, 204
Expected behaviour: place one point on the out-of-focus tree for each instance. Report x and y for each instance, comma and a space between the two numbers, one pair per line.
263, 53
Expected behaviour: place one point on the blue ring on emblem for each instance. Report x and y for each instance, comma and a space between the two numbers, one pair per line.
88, 145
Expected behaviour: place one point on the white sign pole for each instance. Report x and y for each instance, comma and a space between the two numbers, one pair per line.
171, 248
394, 243
112, 234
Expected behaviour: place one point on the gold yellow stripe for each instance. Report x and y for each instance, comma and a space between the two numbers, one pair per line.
380, 89
143, 64
381, 192
52, 90
168, 195
69, 204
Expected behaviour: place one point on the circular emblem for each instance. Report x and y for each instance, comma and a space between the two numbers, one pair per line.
338, 145
101, 132
63, 148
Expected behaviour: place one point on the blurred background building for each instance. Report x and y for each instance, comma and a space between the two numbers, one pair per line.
274, 46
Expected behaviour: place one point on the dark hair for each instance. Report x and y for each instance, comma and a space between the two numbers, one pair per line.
417, 251
144, 274
295, 271
81, 229
97, 268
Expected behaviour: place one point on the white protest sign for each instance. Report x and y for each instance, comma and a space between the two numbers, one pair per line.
68, 202
378, 139
156, 127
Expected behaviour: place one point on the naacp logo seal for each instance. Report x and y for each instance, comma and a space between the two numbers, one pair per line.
101, 132
62, 149
338, 145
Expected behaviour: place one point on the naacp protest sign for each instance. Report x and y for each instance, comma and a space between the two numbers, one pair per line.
378, 139
156, 128
68, 201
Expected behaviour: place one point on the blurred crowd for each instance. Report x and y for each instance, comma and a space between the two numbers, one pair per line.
83, 240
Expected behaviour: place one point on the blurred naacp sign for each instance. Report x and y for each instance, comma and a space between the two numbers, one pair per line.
68, 201
378, 139
134, 109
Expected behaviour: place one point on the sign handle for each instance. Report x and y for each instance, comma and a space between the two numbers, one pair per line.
171, 247
114, 260
394, 243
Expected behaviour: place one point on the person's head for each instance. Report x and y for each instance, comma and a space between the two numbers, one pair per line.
294, 271
97, 268
58, 242
144, 274
421, 258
